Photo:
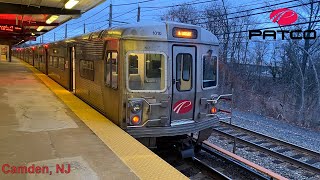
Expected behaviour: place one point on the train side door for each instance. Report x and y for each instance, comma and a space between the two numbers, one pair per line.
72, 68
184, 85
46, 56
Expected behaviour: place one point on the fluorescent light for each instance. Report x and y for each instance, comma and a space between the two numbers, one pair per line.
70, 4
40, 28
51, 19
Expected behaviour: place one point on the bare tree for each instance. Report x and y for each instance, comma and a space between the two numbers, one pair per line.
294, 65
185, 13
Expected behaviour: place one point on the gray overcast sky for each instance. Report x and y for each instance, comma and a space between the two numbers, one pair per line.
97, 18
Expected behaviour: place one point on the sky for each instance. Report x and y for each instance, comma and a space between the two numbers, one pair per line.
125, 11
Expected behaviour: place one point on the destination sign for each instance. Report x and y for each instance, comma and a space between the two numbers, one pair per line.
10, 28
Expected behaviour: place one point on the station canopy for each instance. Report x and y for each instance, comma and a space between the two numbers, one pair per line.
23, 20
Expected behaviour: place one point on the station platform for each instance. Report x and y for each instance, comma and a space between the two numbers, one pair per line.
45, 128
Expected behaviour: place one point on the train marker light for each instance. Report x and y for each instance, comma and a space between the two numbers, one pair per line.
135, 108
135, 120
40, 28
214, 110
51, 19
70, 4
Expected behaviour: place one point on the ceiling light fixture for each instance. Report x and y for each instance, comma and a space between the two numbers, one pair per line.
70, 4
51, 19
40, 28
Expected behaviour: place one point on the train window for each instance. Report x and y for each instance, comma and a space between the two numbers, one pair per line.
55, 62
146, 71
108, 71
50, 61
112, 69
87, 69
41, 59
61, 63
133, 64
184, 71
209, 65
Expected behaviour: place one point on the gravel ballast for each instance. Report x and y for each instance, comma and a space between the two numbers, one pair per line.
275, 128
299, 136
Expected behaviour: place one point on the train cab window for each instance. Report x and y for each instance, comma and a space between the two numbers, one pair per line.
87, 69
112, 69
61, 63
146, 72
153, 66
55, 62
209, 64
184, 71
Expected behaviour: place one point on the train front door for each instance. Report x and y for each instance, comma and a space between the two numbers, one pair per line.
184, 84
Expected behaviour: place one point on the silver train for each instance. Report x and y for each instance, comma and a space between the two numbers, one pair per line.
151, 79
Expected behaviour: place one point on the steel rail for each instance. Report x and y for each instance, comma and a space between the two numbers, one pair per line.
276, 140
217, 173
269, 151
209, 149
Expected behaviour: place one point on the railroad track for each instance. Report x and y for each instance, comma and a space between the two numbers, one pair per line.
239, 168
298, 156
195, 168
206, 164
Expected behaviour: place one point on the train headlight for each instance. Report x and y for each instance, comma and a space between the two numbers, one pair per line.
136, 107
135, 120
135, 111
214, 110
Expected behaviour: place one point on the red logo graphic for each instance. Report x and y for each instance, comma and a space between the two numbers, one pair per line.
182, 106
284, 16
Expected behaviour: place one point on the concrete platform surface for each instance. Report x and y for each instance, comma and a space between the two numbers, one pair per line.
38, 131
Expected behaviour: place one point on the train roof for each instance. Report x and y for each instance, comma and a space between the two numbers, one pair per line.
152, 31
149, 30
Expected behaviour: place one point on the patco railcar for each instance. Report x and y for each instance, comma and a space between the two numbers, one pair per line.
151, 79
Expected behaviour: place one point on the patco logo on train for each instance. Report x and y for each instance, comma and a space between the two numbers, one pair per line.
284, 17
182, 106
36, 169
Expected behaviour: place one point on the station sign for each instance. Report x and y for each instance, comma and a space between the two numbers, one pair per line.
10, 28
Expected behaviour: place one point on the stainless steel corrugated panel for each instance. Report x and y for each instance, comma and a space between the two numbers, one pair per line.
89, 90
91, 48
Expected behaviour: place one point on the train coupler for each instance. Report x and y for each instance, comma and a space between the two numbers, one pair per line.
187, 148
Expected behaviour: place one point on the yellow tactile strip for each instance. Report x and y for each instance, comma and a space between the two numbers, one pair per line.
143, 162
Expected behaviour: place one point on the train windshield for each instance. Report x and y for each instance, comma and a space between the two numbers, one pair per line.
146, 71
209, 71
